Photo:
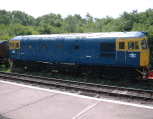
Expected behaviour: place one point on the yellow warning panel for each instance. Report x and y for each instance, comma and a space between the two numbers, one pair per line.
144, 58
14, 45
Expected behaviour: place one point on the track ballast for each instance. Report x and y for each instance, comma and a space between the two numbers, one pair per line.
81, 88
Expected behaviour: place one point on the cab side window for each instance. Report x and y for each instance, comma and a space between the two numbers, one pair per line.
136, 45
17, 45
121, 45
13, 46
144, 44
130, 45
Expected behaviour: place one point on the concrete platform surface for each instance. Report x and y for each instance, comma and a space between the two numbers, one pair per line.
25, 102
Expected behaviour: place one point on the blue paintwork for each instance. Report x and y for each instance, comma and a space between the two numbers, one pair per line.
17, 52
11, 54
91, 50
132, 58
14, 54
121, 57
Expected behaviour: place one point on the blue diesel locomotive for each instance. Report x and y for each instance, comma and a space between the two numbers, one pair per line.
111, 53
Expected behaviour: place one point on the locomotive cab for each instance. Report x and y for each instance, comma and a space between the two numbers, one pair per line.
145, 53
14, 49
135, 52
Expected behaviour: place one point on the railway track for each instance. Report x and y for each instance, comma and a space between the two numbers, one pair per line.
88, 89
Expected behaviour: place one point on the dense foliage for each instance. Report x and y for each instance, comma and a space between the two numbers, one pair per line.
19, 23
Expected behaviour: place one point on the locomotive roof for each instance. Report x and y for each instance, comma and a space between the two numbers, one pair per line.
132, 34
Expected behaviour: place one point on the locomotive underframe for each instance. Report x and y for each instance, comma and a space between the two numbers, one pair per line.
80, 69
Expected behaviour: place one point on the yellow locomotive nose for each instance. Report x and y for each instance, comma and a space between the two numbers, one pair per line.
145, 53
144, 58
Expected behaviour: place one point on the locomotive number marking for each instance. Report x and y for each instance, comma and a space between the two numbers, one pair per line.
88, 56
132, 55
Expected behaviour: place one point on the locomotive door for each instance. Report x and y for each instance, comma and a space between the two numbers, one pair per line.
15, 49
133, 53
68, 50
121, 52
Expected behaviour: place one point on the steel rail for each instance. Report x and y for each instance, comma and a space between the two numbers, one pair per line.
90, 88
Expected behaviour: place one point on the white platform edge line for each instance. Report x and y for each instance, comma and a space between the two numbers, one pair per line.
85, 110
81, 96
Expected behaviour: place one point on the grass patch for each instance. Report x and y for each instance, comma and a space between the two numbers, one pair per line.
2, 68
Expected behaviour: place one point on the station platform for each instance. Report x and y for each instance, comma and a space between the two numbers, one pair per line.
19, 101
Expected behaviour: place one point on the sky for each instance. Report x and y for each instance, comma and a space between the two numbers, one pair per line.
96, 8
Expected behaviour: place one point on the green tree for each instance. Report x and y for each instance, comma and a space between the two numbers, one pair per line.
18, 29
22, 18
50, 19
70, 24
5, 17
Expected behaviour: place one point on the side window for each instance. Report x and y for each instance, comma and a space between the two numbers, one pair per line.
17, 45
136, 45
59, 47
103, 47
107, 47
29, 46
121, 45
13, 45
130, 45
76, 47
143, 44
107, 50
44, 46
111, 47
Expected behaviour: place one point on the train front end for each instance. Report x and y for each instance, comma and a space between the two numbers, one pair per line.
133, 51
145, 58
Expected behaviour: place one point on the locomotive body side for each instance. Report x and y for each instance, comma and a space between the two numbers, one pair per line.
89, 51
96, 50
